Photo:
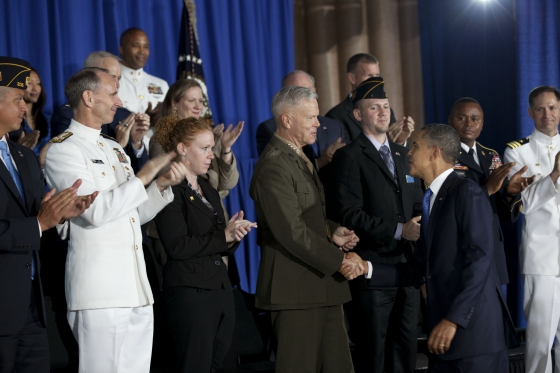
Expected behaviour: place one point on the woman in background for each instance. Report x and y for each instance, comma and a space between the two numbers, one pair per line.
197, 295
35, 131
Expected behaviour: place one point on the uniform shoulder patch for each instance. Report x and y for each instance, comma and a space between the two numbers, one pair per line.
63, 136
488, 149
108, 137
273, 153
518, 143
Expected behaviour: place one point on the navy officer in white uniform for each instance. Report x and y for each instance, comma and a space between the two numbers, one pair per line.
109, 297
139, 91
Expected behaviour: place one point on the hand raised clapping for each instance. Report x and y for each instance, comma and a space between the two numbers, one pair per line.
237, 228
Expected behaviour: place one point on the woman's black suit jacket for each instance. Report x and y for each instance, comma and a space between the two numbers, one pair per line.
194, 239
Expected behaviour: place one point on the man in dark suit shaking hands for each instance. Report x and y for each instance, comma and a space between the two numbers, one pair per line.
25, 214
469, 327
375, 196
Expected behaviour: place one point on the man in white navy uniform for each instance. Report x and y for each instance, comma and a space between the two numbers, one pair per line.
108, 294
540, 254
139, 91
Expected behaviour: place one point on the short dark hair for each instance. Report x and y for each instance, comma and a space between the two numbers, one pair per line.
445, 138
128, 32
86, 79
463, 100
542, 89
357, 58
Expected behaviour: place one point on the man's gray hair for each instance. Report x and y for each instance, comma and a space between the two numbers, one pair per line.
289, 97
94, 58
295, 72
445, 138
86, 79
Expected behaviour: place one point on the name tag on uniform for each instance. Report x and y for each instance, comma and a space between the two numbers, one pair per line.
97, 161
409, 179
154, 89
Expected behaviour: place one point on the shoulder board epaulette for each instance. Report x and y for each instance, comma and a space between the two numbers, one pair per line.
484, 147
273, 153
63, 136
108, 137
518, 143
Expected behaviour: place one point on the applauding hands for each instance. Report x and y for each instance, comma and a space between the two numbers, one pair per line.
237, 228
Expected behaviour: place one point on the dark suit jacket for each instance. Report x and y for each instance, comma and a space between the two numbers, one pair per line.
61, 120
194, 239
456, 261
344, 112
20, 240
368, 200
500, 206
299, 263
328, 132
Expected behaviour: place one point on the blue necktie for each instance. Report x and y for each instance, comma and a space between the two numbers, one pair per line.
426, 212
386, 155
12, 170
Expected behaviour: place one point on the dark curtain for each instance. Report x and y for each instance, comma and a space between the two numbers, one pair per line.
246, 47
538, 55
469, 48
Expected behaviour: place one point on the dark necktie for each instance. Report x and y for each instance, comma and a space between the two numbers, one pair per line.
386, 155
426, 211
12, 170
471, 154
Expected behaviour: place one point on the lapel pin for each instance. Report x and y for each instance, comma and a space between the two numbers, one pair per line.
324, 128
440, 198
21, 155
191, 198
397, 153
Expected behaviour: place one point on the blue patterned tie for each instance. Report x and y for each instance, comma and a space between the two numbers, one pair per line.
12, 170
386, 155
426, 211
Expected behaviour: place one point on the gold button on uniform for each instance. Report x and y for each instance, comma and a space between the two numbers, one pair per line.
140, 97
103, 173
551, 148
136, 247
133, 220
114, 168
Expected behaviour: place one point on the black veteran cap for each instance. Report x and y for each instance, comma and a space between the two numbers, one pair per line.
14, 73
370, 88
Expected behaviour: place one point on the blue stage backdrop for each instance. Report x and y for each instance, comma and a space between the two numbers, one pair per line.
246, 46
537, 53
495, 51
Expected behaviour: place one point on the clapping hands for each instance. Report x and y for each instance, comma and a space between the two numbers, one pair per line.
237, 228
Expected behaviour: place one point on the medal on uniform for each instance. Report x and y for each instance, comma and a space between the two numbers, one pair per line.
120, 155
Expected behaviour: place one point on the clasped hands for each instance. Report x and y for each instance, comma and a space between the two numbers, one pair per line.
352, 266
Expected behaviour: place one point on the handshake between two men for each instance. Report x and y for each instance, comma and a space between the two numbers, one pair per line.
352, 265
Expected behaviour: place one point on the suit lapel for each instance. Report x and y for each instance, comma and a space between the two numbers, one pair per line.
438, 203
466, 159
24, 173
193, 200
399, 168
9, 181
484, 159
370, 151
